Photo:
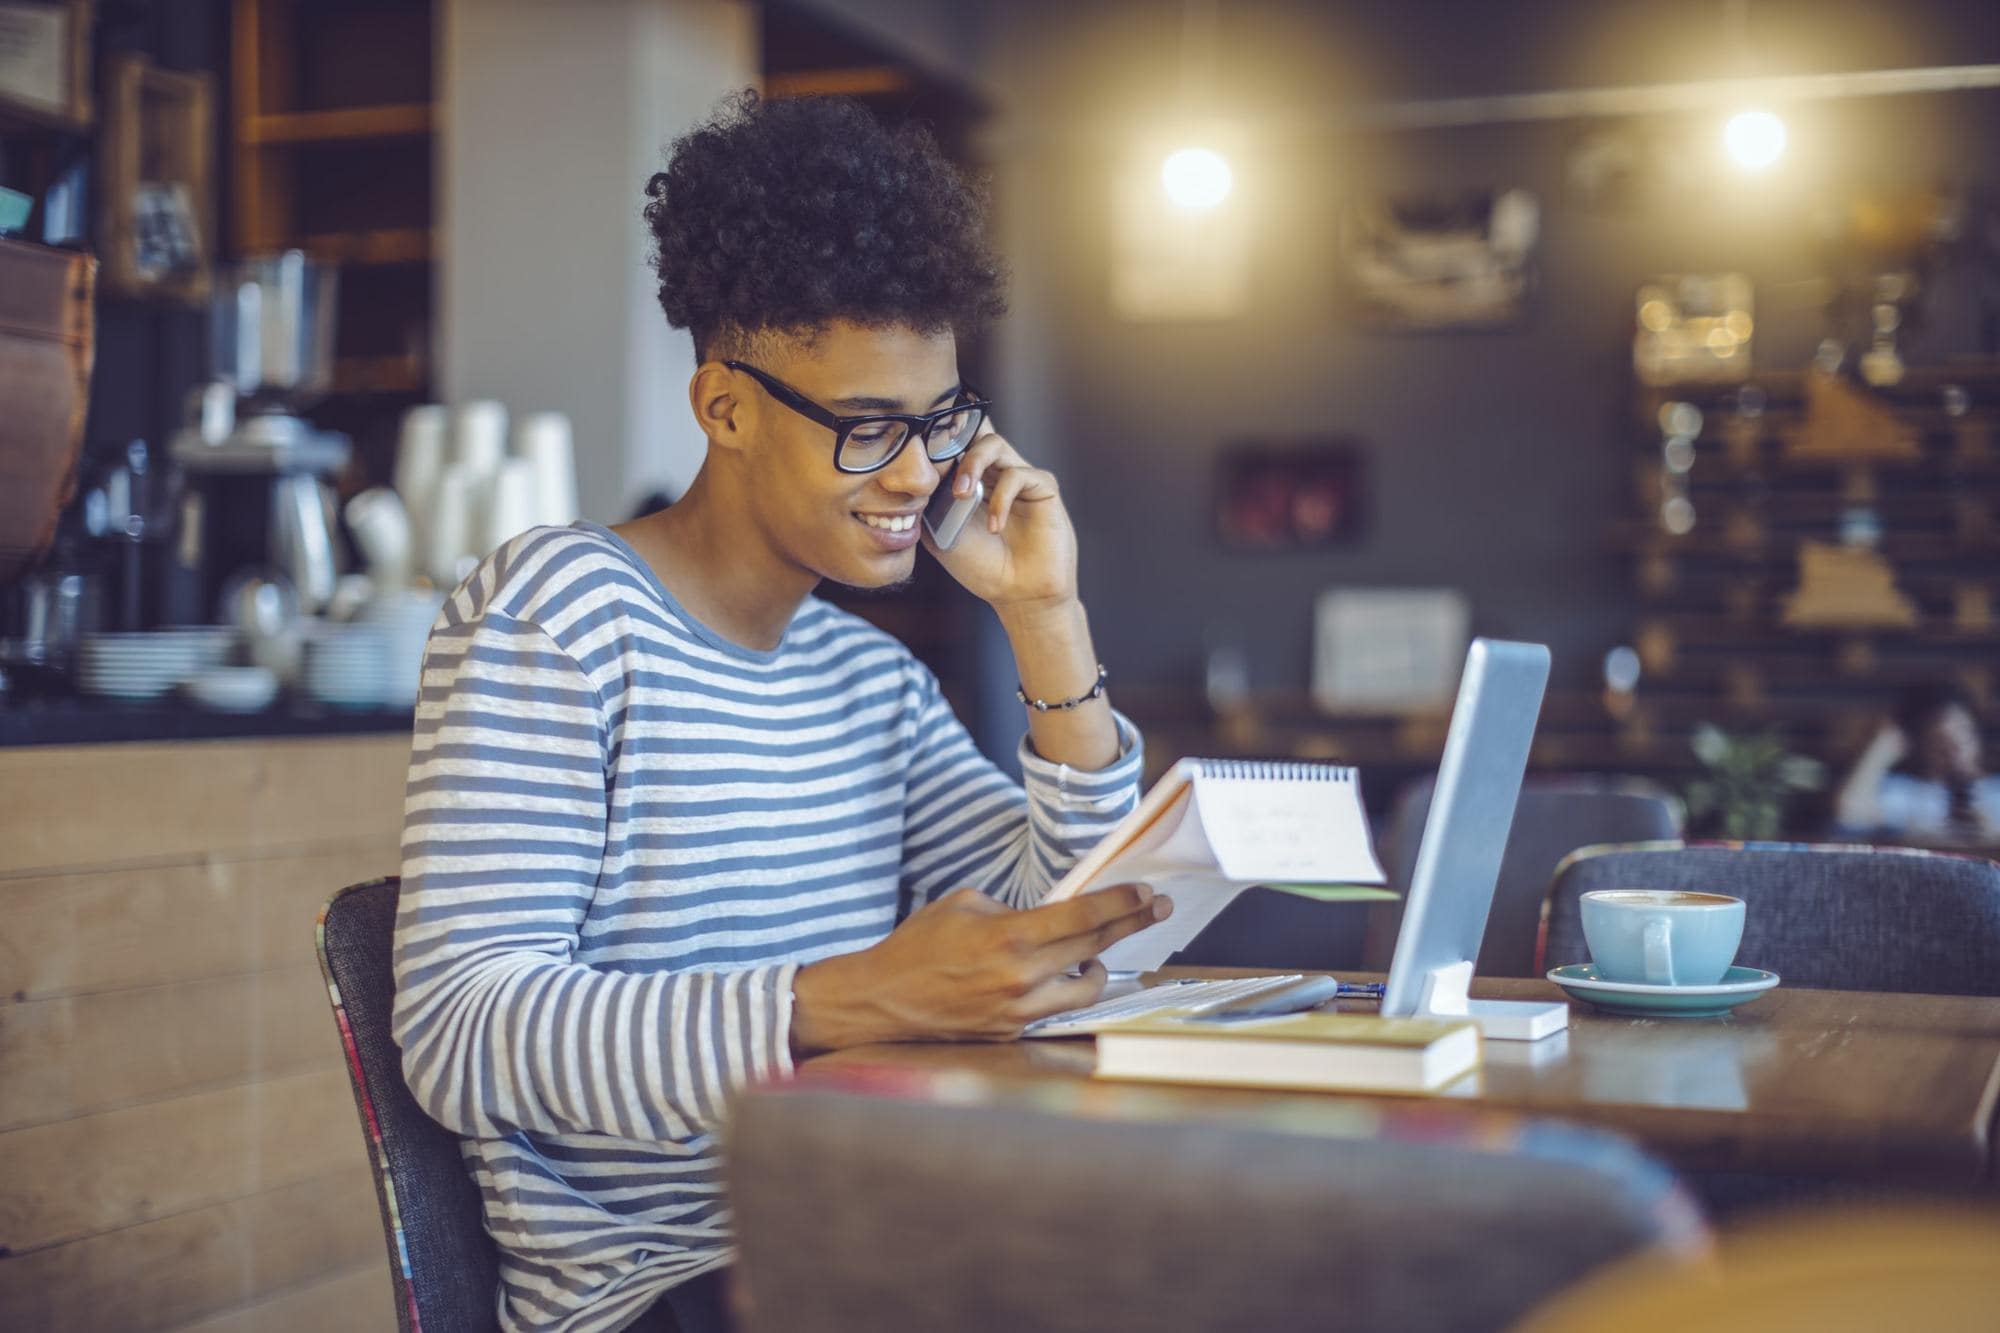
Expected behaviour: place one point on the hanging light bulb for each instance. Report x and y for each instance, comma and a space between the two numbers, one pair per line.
1196, 179
1755, 139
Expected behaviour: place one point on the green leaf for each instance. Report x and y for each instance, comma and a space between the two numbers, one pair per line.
1711, 746
1339, 893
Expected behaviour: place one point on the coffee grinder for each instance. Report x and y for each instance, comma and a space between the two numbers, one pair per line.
256, 495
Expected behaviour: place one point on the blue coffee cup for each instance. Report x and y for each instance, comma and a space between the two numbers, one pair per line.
1662, 937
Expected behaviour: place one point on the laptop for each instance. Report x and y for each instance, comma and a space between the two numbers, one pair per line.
1451, 892
1465, 835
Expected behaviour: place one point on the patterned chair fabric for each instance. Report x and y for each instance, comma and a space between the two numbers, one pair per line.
927, 1203
1829, 917
444, 1266
1554, 817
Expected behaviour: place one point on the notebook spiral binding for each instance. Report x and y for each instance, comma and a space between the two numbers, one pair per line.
1282, 770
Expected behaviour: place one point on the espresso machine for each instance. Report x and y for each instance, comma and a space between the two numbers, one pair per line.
256, 498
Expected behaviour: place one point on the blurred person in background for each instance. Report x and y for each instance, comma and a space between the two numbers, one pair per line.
1922, 776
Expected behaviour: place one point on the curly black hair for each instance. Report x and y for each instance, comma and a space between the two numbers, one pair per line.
780, 216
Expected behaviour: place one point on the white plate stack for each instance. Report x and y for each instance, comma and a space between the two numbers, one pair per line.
148, 664
349, 666
405, 617
375, 661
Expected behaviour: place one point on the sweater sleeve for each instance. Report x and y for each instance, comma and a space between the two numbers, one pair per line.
505, 832
967, 823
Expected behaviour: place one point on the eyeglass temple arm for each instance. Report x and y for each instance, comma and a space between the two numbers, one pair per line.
804, 406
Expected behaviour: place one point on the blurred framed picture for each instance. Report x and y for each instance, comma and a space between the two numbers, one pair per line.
156, 228
1289, 495
1388, 650
45, 60
1420, 264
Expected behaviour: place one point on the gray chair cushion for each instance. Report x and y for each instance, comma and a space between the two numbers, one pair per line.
1835, 918
866, 1213
444, 1265
1553, 818
1265, 928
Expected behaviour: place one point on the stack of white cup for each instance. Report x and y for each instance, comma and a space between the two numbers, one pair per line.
542, 440
420, 462
465, 503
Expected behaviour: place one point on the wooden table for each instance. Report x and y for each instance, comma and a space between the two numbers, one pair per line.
1892, 1089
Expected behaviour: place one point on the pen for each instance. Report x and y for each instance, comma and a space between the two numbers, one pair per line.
1345, 989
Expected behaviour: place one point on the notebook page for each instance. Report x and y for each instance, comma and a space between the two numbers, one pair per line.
1130, 848
1247, 824
1288, 830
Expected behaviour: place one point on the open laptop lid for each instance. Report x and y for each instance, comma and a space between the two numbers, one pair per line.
1472, 812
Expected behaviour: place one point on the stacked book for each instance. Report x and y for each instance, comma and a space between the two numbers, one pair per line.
1316, 1049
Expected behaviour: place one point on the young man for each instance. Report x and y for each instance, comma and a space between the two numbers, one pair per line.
673, 822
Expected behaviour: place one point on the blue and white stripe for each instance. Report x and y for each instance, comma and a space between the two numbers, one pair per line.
624, 835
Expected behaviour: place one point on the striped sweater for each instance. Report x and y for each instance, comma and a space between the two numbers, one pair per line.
624, 834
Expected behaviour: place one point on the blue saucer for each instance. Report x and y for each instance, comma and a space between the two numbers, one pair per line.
1739, 985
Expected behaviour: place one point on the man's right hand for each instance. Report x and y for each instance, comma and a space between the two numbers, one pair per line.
966, 968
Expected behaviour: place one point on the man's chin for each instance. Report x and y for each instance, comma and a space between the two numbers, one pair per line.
889, 589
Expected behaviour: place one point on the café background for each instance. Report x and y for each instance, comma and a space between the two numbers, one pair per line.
1491, 459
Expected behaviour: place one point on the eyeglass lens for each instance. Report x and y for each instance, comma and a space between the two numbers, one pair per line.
872, 443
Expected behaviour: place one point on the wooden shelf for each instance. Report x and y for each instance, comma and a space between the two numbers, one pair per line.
379, 374
359, 124
1709, 632
1714, 466
1639, 537
1977, 375
855, 81
17, 116
391, 245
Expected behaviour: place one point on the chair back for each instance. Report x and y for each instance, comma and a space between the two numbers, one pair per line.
1830, 917
444, 1265
1269, 928
863, 1212
1553, 818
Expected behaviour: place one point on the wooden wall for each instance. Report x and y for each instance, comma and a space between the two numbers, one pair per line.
178, 1144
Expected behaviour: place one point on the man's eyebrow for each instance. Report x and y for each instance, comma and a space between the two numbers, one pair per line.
891, 404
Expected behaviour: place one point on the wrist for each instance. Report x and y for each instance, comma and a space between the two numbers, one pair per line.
826, 1016
1039, 618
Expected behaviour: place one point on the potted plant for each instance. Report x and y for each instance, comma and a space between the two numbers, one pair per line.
1749, 781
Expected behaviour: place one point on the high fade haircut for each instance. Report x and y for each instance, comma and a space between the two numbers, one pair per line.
777, 217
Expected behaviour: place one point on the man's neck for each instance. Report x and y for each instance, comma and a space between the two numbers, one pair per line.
719, 568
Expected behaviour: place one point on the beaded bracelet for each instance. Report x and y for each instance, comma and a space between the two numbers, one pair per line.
1043, 705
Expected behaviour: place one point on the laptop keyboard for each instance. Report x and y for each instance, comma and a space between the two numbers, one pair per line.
1199, 996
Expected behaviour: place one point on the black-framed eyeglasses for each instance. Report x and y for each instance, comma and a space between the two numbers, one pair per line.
870, 443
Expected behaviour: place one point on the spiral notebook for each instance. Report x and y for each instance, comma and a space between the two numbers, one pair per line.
1211, 828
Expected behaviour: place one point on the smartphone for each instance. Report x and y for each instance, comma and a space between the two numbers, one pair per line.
947, 514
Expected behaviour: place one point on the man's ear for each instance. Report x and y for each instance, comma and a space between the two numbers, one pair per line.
718, 409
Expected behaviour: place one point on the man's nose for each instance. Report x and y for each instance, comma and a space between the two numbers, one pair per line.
912, 473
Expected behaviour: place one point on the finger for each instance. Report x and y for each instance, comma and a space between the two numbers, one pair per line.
1000, 496
1079, 915
988, 450
1064, 954
1064, 991
1025, 483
